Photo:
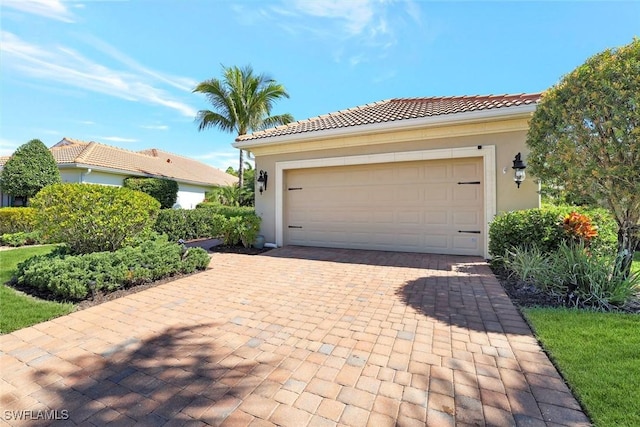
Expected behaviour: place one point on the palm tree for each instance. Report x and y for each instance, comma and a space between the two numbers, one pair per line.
242, 103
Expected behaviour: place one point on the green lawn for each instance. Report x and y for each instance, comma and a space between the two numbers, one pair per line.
18, 310
599, 355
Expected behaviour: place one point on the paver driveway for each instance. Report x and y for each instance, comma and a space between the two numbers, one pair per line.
298, 336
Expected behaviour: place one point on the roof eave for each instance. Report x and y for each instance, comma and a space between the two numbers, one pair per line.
406, 124
132, 173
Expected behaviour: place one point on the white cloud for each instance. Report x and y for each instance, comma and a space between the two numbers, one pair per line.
116, 139
155, 127
219, 159
53, 9
67, 66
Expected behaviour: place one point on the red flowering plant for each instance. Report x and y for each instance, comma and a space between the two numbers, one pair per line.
579, 228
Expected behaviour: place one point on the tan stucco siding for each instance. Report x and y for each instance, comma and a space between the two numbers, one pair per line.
507, 144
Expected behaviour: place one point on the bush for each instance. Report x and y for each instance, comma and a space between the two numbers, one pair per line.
232, 224
21, 239
575, 275
227, 211
17, 220
31, 168
75, 277
94, 218
543, 228
164, 191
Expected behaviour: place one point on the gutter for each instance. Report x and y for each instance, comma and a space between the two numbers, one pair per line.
406, 124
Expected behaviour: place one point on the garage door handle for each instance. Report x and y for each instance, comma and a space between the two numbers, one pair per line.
295, 226
469, 182
469, 231
294, 188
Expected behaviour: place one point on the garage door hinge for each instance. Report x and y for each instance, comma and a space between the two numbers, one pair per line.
295, 226
469, 231
294, 188
469, 182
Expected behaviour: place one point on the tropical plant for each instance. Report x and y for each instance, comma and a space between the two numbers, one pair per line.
242, 103
585, 137
30, 169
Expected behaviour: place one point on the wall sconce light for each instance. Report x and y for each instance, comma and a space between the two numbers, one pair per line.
262, 181
518, 167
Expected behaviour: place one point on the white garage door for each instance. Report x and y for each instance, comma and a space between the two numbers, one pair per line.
433, 206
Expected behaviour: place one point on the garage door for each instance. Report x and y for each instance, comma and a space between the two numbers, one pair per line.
433, 206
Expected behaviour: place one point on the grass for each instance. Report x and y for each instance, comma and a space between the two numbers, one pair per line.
599, 355
18, 310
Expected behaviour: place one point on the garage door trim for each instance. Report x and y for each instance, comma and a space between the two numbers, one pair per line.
486, 152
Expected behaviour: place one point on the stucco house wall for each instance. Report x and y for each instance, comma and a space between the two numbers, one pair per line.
495, 136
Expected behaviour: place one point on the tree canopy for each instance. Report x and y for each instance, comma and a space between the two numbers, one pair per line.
242, 102
31, 168
585, 137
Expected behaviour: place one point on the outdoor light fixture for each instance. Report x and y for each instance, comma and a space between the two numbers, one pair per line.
518, 167
262, 181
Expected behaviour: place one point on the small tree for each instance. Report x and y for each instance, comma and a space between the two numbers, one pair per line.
585, 137
30, 169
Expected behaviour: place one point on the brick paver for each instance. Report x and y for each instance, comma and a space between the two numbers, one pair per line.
296, 336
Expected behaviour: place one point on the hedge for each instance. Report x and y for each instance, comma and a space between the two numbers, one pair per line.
541, 227
17, 220
232, 224
75, 277
165, 191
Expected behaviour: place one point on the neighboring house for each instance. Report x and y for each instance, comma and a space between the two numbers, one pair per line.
415, 175
95, 163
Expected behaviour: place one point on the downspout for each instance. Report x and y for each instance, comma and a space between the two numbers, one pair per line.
83, 174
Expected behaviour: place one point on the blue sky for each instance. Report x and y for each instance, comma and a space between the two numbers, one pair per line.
122, 72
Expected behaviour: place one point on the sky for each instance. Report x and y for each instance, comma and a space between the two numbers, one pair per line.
122, 73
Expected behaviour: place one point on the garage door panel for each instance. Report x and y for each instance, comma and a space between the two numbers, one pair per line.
406, 206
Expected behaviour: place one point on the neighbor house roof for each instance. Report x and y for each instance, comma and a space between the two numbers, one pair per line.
151, 162
396, 109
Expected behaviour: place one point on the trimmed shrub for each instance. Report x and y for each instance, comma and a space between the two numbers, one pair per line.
163, 190
94, 218
227, 211
544, 229
31, 168
233, 224
75, 277
17, 220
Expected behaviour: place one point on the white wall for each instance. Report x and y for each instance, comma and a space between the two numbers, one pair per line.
190, 195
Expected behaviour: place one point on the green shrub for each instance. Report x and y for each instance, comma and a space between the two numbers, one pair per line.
163, 190
227, 211
575, 274
17, 220
232, 224
21, 239
75, 277
94, 218
543, 228
31, 168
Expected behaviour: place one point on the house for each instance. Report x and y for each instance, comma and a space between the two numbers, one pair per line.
415, 175
96, 163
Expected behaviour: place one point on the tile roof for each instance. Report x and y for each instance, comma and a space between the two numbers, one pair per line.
152, 162
396, 109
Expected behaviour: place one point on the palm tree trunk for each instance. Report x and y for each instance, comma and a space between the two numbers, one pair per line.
241, 170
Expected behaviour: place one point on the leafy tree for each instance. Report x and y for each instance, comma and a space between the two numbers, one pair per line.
31, 168
585, 137
242, 103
